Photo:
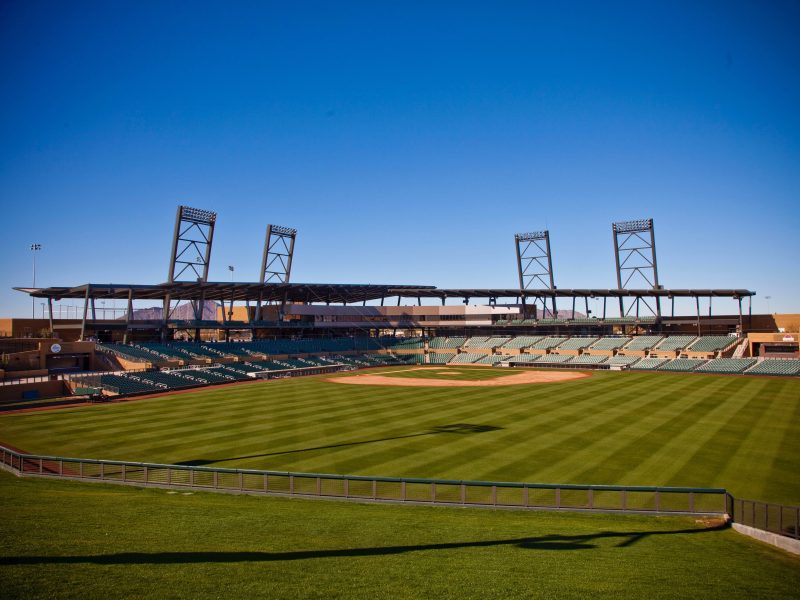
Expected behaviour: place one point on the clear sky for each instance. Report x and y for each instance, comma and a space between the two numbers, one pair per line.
407, 142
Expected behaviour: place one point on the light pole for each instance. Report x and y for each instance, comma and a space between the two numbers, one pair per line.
34, 249
769, 309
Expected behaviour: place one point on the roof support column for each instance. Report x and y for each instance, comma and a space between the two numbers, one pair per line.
128, 316
85, 309
50, 315
740, 314
697, 304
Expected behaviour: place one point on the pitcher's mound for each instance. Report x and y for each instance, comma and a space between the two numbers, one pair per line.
517, 379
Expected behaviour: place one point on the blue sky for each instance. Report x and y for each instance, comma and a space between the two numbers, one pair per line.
407, 142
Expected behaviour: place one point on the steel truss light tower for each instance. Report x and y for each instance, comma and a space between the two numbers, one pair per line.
276, 262
635, 254
535, 263
191, 251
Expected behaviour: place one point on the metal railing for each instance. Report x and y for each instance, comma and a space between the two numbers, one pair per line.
601, 498
767, 516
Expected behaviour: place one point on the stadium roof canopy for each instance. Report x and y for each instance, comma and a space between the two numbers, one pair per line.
340, 293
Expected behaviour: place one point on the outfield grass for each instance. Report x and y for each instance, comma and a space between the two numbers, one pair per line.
742, 433
79, 540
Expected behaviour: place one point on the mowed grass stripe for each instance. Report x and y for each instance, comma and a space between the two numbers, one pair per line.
451, 411
676, 453
782, 465
336, 426
753, 425
640, 440
563, 415
559, 448
593, 438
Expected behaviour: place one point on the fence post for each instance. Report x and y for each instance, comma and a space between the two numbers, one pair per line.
797, 523
80, 469
124, 472
319, 486
60, 467
266, 483
591, 498
766, 516
433, 492
463, 494
525, 494
658, 501
494, 495
102, 471
558, 497
191, 478
216, 479
145, 475
40, 466
374, 489
241, 481
691, 501
403, 491
624, 499
291, 485
346, 487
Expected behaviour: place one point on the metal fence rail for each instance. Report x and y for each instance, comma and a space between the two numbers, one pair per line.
775, 518
607, 498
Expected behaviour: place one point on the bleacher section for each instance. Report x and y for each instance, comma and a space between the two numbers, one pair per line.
727, 365
244, 359
548, 342
648, 364
682, 364
493, 359
467, 358
712, 343
576, 343
445, 343
440, 358
609, 343
643, 342
775, 366
553, 358
675, 342
476, 342
588, 359
525, 358
620, 360
522, 341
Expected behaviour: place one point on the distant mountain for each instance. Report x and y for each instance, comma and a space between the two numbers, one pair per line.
181, 312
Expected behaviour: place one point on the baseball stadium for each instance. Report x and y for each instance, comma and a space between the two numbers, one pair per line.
361, 440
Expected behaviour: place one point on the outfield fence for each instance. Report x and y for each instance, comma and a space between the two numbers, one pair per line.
608, 498
775, 518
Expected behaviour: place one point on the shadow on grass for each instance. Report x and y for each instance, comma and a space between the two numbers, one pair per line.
547, 542
458, 428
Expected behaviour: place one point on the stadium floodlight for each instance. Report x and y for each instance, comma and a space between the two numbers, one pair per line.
191, 244
535, 262
635, 256
276, 262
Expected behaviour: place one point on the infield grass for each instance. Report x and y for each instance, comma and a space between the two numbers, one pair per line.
78, 540
741, 433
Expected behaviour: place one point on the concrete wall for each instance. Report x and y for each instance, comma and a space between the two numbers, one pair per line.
46, 389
